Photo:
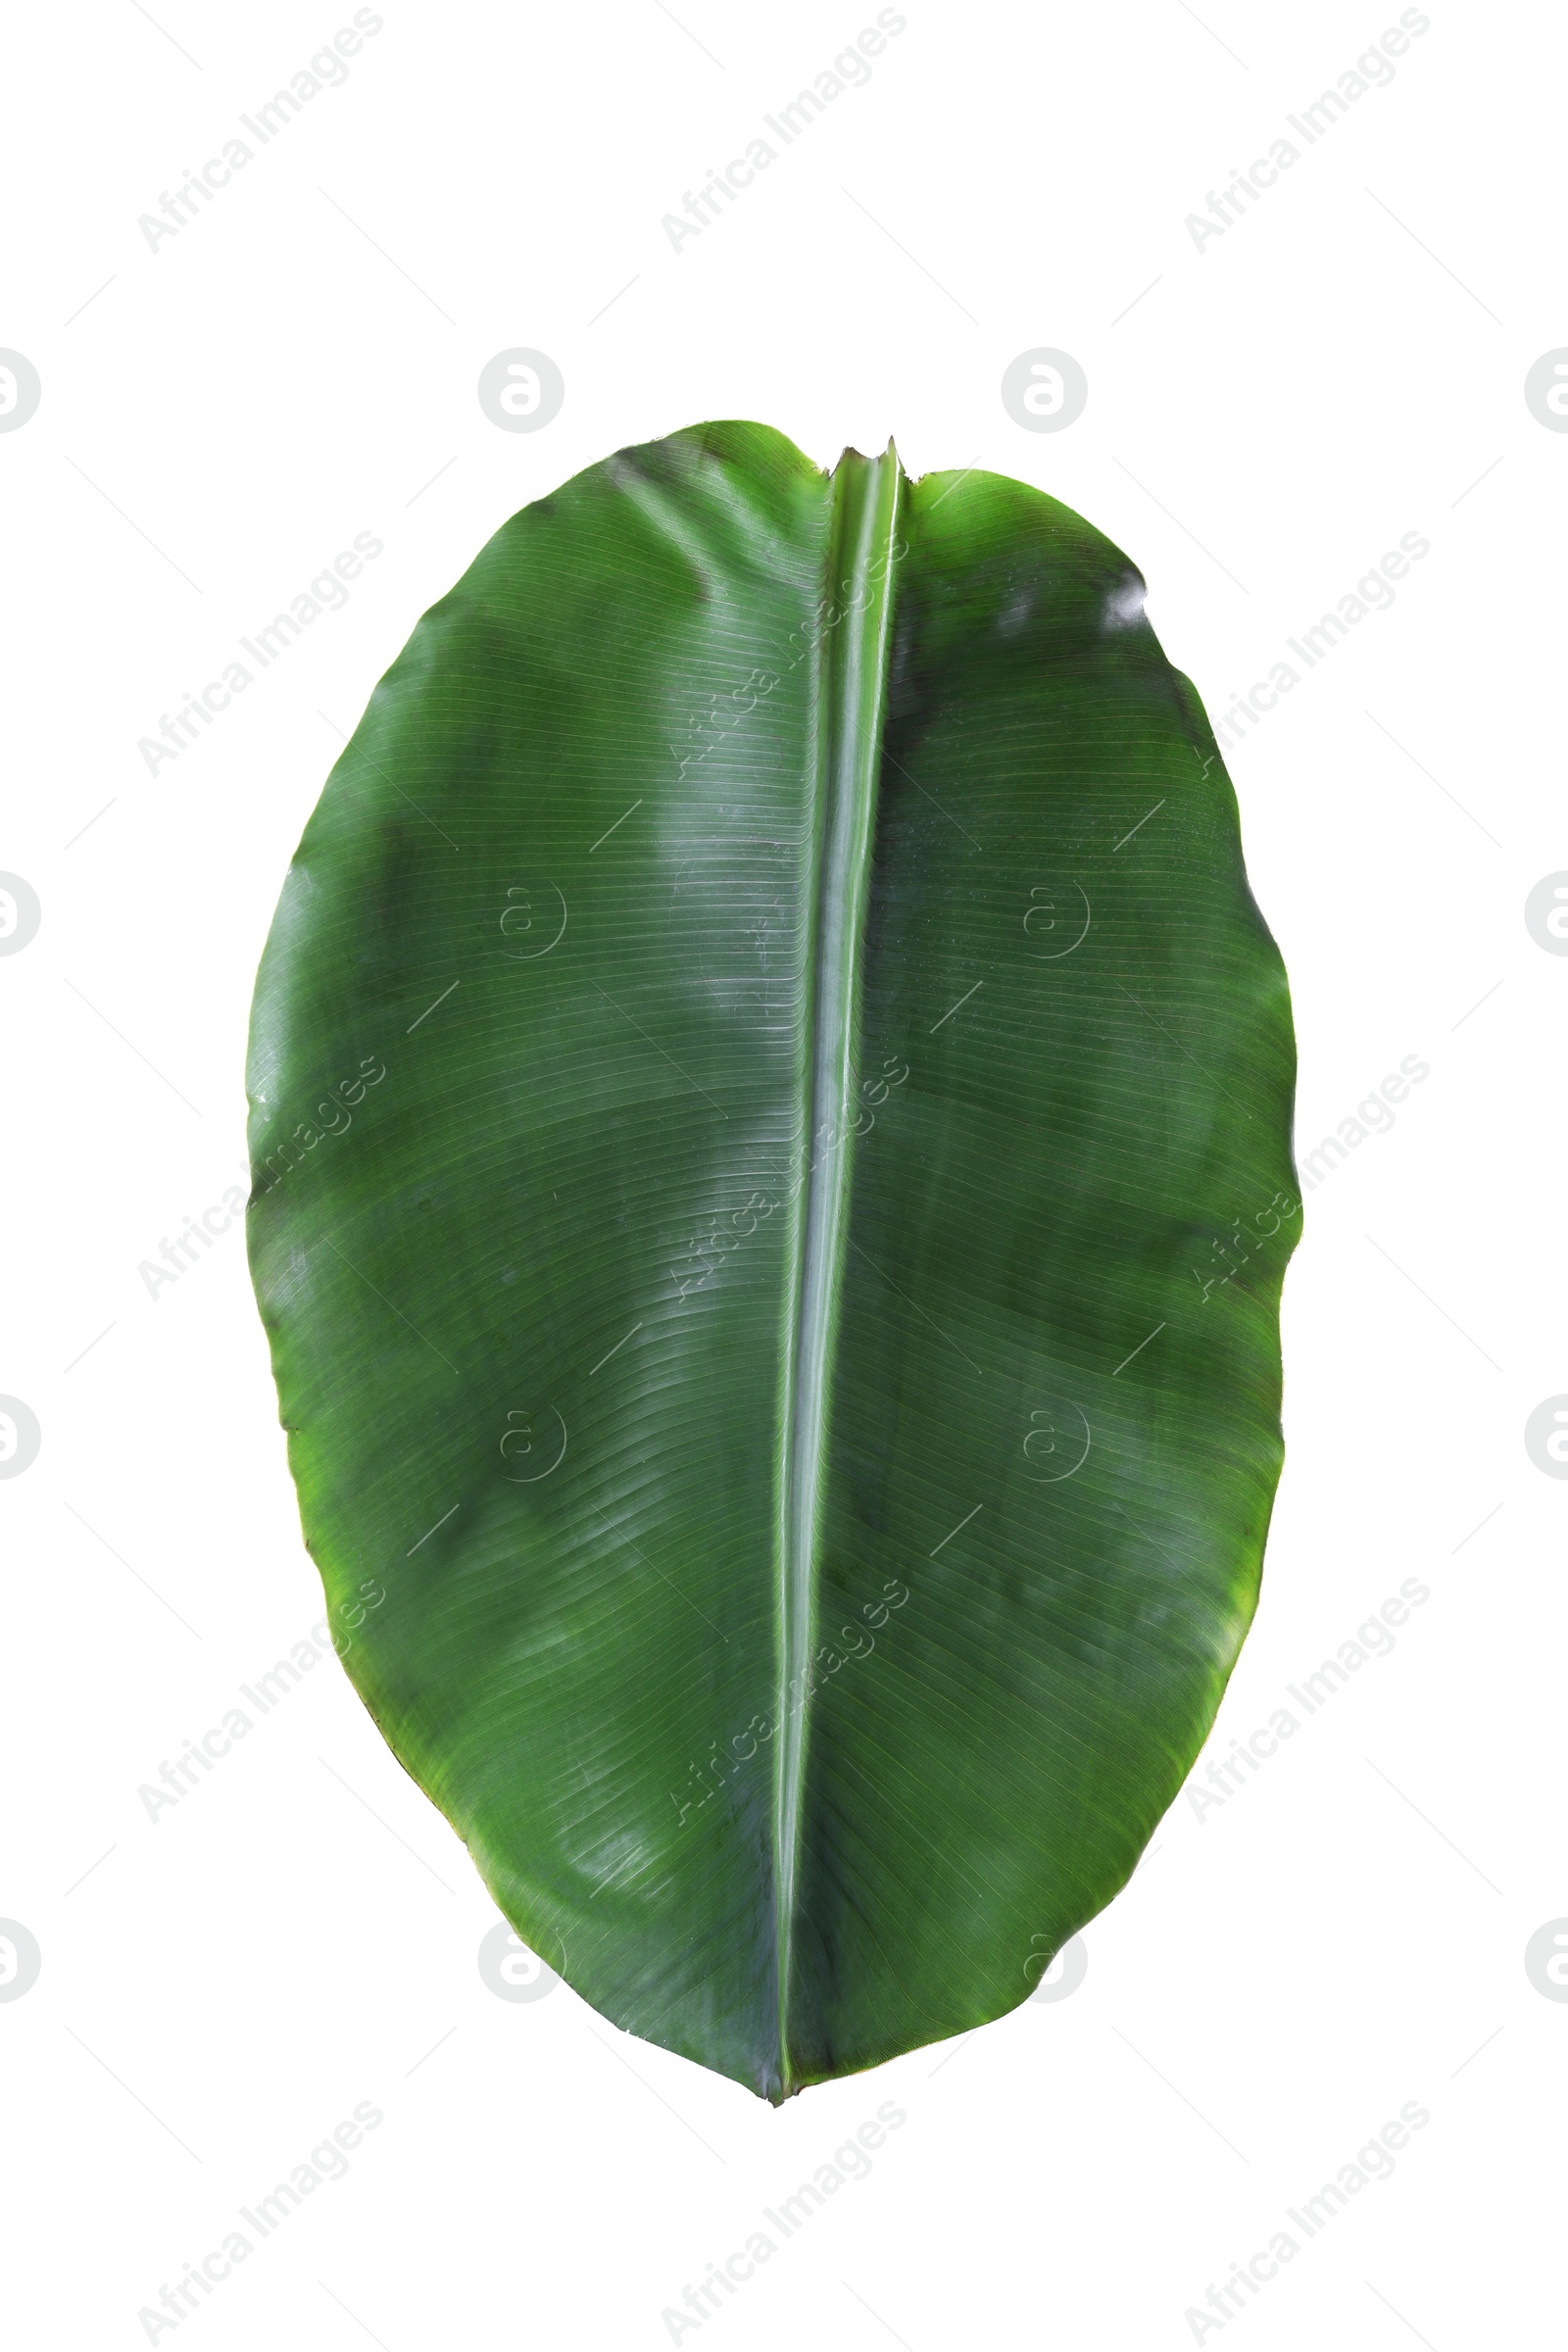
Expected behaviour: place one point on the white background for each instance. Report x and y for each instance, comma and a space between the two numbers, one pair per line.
1345, 1932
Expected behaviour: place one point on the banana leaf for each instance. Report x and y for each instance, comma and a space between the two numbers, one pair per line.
771, 1117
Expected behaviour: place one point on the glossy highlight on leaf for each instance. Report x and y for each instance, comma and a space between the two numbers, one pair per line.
770, 1118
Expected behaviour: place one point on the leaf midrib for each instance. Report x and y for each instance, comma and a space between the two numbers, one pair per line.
849, 685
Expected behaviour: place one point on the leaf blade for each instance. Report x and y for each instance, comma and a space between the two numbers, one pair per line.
536, 1309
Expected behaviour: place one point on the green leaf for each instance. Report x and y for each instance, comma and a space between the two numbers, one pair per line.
772, 1108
